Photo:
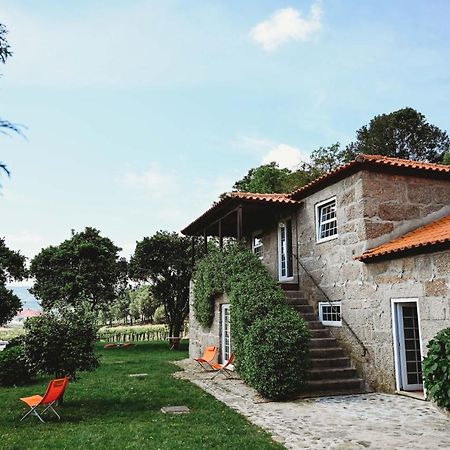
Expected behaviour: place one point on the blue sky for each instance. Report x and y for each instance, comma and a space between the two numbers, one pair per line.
139, 113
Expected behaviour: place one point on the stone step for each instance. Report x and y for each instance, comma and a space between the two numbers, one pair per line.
315, 325
304, 309
335, 373
320, 333
309, 317
294, 293
325, 363
331, 352
324, 342
340, 385
297, 301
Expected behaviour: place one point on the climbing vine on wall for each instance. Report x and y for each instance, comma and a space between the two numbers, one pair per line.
270, 339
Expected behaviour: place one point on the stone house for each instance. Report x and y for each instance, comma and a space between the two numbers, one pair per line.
363, 253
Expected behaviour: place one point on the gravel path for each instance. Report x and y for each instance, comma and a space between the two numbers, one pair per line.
374, 421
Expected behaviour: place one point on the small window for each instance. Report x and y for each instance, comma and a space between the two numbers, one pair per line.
326, 220
257, 245
330, 313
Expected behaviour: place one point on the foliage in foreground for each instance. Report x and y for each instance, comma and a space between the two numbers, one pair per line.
436, 369
14, 367
270, 339
108, 410
61, 343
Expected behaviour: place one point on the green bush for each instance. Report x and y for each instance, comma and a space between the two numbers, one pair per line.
264, 328
275, 354
61, 342
436, 369
14, 369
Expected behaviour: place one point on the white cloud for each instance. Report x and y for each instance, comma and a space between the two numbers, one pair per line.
26, 242
286, 156
286, 24
157, 181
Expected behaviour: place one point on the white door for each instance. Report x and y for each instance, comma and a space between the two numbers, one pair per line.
225, 334
409, 354
285, 271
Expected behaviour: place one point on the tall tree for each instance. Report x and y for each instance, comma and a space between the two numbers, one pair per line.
85, 269
401, 134
265, 179
12, 268
164, 260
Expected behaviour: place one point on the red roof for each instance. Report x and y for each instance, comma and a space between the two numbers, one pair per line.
25, 313
428, 236
272, 198
371, 162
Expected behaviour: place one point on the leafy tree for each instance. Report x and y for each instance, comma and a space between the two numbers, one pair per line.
12, 267
265, 179
85, 269
401, 134
61, 342
120, 309
5, 125
326, 159
164, 260
143, 304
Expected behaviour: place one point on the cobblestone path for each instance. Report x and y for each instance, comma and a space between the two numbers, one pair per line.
374, 421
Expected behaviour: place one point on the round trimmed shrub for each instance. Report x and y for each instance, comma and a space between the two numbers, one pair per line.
276, 351
436, 369
14, 369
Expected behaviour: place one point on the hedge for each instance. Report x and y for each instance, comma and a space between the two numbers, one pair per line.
270, 339
436, 369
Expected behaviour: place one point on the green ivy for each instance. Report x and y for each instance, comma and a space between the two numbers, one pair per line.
436, 369
270, 339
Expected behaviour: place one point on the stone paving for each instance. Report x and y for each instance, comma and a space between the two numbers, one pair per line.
374, 421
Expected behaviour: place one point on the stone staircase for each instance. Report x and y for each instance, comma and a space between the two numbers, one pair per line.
331, 372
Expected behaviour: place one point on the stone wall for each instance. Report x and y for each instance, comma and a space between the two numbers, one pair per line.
199, 336
373, 208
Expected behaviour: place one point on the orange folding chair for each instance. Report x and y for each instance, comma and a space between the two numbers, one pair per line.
224, 368
54, 392
209, 358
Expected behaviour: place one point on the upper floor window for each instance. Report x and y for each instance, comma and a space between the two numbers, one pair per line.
257, 245
326, 221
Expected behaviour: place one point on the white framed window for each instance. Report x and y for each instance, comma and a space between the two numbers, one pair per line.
326, 220
225, 333
257, 245
330, 313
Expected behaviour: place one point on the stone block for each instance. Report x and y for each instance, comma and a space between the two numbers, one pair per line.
436, 288
398, 211
377, 229
441, 262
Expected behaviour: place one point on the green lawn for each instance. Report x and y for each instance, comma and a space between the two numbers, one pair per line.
107, 409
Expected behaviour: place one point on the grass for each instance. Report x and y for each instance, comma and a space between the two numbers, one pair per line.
107, 409
7, 334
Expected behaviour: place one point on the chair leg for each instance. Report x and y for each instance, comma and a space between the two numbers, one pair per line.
33, 411
50, 406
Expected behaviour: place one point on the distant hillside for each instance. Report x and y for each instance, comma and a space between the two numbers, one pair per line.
28, 300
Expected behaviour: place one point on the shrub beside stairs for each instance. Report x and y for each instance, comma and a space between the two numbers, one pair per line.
331, 371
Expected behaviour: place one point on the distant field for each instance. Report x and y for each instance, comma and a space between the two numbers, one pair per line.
8, 333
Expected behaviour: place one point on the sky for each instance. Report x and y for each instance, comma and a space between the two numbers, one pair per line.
140, 113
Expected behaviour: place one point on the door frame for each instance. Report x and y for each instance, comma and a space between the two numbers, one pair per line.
223, 307
280, 276
398, 358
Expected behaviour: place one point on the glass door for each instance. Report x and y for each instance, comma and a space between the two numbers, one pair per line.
285, 269
225, 334
408, 341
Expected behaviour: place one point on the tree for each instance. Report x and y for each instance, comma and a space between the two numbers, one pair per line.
143, 304
164, 260
401, 134
5, 125
61, 342
265, 179
326, 159
85, 269
12, 268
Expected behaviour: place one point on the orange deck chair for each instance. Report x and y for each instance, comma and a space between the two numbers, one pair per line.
54, 392
224, 368
208, 359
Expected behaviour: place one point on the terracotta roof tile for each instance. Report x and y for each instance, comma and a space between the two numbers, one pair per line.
429, 235
366, 161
